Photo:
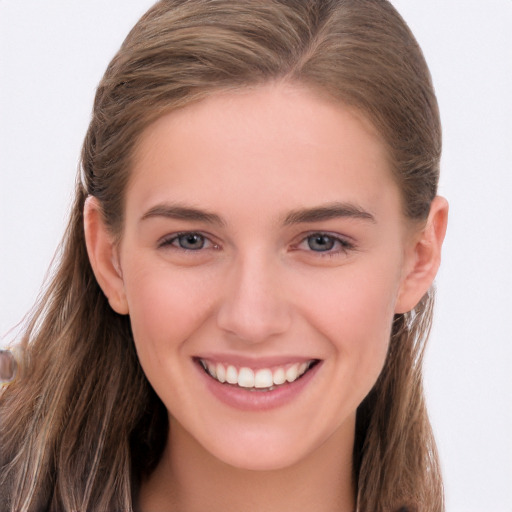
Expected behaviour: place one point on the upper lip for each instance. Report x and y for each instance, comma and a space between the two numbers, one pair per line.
254, 362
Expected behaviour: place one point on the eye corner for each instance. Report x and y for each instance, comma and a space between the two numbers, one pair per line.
323, 244
188, 242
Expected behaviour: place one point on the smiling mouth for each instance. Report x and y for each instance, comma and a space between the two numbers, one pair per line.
262, 379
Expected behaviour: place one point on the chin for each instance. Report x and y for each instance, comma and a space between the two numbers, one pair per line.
266, 453
262, 462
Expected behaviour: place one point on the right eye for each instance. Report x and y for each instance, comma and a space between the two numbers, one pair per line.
189, 241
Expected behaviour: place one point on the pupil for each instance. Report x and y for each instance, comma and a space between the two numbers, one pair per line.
320, 243
191, 241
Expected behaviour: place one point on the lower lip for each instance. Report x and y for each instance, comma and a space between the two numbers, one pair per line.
247, 400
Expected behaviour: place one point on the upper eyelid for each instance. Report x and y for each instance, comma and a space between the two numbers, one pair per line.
343, 247
344, 239
169, 238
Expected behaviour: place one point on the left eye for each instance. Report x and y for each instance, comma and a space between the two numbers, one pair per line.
187, 241
323, 242
320, 242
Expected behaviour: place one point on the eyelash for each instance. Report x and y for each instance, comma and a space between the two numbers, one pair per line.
169, 241
340, 245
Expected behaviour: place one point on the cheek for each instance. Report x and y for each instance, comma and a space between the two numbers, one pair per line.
355, 315
166, 306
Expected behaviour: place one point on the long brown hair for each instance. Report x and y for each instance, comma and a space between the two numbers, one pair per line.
81, 426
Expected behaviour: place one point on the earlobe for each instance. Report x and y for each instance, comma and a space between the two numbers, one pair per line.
424, 257
104, 257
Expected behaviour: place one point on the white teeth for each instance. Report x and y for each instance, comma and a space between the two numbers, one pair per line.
221, 372
279, 376
231, 375
264, 378
292, 372
246, 378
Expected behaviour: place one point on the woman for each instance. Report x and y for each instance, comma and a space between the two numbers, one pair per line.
240, 309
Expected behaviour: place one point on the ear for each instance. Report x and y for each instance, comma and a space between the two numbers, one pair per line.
423, 257
104, 256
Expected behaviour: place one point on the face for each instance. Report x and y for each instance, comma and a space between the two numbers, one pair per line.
262, 260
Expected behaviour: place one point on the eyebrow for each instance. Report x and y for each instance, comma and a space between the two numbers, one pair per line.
328, 212
300, 216
181, 212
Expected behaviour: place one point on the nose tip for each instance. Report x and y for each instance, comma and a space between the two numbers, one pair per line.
254, 307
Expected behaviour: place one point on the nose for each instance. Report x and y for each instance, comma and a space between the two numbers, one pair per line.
254, 307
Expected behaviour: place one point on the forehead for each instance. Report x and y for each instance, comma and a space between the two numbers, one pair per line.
270, 146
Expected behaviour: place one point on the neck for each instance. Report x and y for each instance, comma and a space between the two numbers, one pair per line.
188, 479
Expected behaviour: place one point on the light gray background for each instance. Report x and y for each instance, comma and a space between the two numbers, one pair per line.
52, 55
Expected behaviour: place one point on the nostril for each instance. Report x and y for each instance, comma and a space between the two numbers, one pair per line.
254, 306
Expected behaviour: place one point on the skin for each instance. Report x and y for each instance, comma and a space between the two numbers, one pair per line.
255, 160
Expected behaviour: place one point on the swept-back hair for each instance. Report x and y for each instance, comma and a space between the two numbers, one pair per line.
81, 426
